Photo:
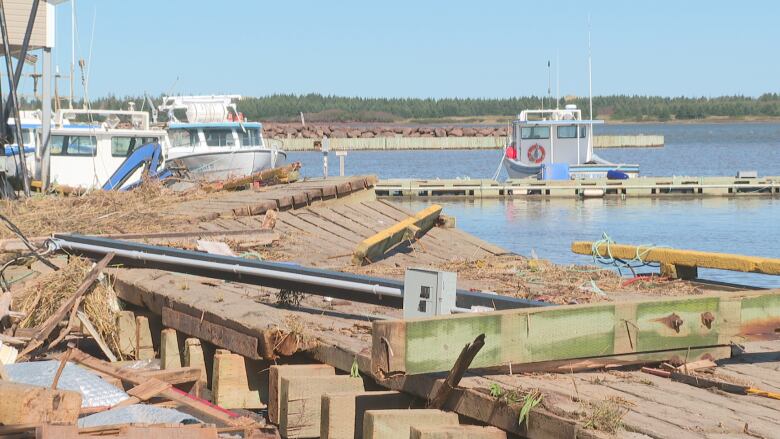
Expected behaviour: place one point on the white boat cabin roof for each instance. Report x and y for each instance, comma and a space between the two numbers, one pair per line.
570, 115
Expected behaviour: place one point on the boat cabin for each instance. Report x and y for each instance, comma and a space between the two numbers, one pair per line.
551, 136
86, 154
216, 135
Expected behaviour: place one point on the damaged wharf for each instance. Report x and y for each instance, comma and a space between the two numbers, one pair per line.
330, 367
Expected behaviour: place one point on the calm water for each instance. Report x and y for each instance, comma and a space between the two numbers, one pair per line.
747, 226
695, 149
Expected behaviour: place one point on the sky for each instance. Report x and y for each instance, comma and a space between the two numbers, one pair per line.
423, 48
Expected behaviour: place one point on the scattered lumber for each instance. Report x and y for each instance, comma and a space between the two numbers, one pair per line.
267, 177
683, 258
652, 330
128, 431
456, 373
49, 324
197, 405
22, 404
374, 247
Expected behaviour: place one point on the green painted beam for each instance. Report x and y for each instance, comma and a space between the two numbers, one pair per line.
536, 335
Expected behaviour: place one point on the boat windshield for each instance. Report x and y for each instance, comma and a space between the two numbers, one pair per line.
251, 137
74, 145
184, 137
535, 132
219, 137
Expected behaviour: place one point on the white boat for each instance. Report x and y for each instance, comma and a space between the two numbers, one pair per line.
87, 147
558, 143
215, 143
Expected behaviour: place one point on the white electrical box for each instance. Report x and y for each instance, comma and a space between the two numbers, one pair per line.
429, 292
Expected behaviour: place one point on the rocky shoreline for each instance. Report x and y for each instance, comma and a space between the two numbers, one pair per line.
297, 131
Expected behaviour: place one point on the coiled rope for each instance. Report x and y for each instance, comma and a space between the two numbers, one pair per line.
637, 262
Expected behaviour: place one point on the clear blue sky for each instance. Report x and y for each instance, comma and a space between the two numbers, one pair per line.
424, 48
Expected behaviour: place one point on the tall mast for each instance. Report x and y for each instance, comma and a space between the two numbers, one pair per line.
72, 47
590, 93
557, 79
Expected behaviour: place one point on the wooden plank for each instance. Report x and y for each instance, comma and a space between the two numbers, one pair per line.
687, 258
179, 375
22, 403
373, 248
215, 334
553, 333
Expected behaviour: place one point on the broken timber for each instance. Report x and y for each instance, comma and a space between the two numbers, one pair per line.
651, 330
374, 247
684, 258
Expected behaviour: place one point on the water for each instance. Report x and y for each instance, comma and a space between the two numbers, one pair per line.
548, 227
691, 149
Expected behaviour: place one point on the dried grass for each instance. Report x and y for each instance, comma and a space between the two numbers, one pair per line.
605, 415
42, 299
145, 209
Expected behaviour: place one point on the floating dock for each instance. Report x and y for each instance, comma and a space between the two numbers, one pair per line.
596, 188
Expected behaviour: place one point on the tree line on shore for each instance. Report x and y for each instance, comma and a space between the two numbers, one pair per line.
321, 108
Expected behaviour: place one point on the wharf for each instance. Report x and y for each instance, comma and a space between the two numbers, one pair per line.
595, 188
323, 232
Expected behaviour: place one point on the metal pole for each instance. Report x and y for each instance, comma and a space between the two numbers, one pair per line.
72, 47
23, 51
14, 98
44, 150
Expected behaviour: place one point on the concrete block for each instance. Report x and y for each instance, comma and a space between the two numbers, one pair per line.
342, 413
456, 432
144, 347
277, 372
170, 358
396, 424
232, 386
300, 400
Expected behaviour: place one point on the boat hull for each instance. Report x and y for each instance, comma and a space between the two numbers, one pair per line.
597, 168
224, 165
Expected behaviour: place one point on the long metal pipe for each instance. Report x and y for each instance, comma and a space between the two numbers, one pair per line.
236, 269
349, 286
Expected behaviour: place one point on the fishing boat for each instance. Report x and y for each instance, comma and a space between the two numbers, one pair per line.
558, 144
213, 141
86, 147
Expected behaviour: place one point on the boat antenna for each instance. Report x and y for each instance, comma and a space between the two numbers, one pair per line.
549, 82
72, 48
557, 79
590, 93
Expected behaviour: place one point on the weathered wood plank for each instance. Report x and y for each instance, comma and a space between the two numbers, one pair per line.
576, 332
215, 334
686, 258
374, 247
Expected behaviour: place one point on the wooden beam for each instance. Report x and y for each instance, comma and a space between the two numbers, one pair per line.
374, 247
213, 333
685, 258
531, 335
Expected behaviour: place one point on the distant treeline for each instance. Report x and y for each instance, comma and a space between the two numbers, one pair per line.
286, 107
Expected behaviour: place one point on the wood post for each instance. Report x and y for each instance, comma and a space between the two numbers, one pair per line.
232, 386
170, 357
144, 347
126, 328
277, 372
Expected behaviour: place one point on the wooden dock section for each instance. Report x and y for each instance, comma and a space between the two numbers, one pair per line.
247, 320
596, 188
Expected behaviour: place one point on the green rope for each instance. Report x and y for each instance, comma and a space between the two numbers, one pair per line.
606, 242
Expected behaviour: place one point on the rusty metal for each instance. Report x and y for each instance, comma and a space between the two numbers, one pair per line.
673, 321
707, 318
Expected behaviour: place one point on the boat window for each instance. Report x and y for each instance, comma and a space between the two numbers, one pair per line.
183, 137
567, 132
535, 132
251, 137
74, 145
124, 146
219, 137
583, 132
